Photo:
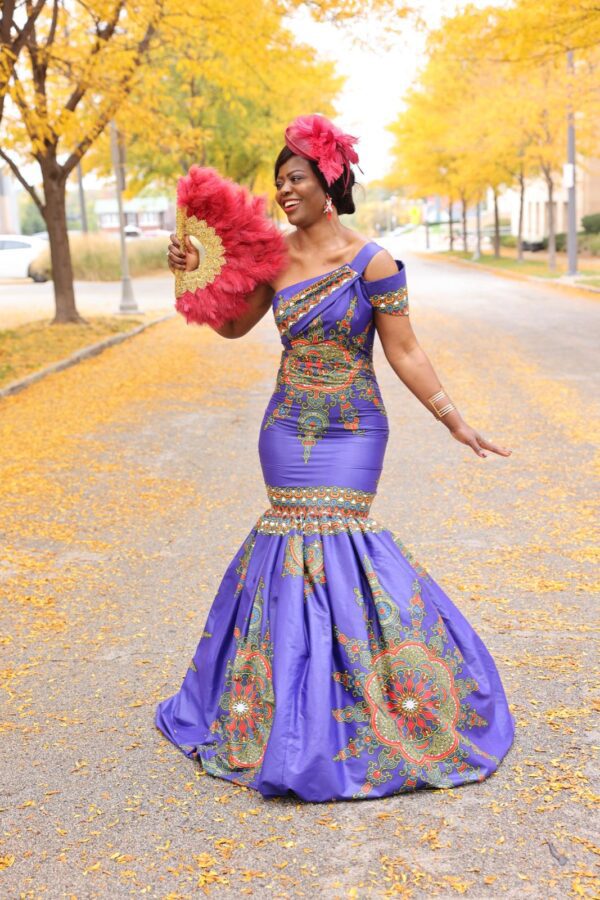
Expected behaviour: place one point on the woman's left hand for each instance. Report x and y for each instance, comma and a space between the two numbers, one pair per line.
467, 435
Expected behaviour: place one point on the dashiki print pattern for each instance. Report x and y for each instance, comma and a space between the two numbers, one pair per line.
332, 665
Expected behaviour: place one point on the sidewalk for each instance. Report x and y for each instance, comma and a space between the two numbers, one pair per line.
438, 250
23, 301
568, 284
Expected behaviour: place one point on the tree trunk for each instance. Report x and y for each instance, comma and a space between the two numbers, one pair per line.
551, 226
450, 223
477, 254
55, 216
496, 226
464, 224
521, 211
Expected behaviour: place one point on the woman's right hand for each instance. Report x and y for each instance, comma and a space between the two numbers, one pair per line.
182, 260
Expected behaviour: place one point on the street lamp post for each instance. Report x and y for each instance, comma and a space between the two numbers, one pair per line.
128, 304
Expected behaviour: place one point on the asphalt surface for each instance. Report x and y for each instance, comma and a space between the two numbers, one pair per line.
127, 484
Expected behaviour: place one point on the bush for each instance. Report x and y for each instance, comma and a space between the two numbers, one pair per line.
30, 218
586, 243
97, 257
591, 224
508, 240
590, 243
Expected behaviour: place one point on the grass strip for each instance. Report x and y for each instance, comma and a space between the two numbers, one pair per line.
27, 348
525, 267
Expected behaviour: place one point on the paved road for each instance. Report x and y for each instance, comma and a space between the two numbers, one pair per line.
129, 481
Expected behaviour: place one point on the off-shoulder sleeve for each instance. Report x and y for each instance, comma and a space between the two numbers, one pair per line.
389, 295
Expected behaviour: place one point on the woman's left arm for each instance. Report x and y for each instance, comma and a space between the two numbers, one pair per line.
410, 362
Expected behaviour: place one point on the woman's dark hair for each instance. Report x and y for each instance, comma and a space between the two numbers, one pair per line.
340, 191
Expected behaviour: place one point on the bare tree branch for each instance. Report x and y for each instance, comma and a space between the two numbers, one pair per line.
28, 187
102, 36
102, 121
52, 29
9, 48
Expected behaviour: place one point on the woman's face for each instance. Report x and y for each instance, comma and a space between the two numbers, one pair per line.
299, 193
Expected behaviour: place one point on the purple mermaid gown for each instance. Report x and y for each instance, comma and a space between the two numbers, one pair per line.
332, 665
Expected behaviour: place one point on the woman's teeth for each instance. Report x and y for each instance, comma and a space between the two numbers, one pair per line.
290, 204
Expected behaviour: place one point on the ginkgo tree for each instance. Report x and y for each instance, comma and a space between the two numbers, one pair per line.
486, 120
74, 68
199, 103
527, 32
67, 68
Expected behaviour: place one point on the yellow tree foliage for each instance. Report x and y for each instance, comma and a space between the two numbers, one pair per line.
530, 31
206, 98
77, 64
474, 121
67, 69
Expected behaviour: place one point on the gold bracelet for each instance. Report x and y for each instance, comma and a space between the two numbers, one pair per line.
444, 410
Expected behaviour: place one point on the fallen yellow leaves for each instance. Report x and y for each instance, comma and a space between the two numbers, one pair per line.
432, 839
210, 876
556, 718
225, 847
27, 348
585, 842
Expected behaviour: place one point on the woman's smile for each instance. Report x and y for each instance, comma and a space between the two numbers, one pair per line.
289, 205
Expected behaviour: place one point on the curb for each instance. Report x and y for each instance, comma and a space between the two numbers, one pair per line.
93, 350
507, 273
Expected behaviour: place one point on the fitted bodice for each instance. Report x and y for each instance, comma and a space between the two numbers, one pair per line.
330, 308
327, 404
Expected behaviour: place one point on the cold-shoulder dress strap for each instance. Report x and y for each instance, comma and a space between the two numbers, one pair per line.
389, 294
364, 257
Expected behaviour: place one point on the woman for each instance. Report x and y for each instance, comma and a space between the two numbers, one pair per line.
332, 665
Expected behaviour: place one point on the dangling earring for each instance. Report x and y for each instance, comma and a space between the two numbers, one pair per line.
328, 208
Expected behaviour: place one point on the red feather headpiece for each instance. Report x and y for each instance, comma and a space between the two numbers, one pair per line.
315, 137
239, 247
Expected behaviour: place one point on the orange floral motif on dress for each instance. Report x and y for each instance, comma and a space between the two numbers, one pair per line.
411, 711
321, 371
247, 703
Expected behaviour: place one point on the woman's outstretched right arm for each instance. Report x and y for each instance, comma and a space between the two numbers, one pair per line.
259, 301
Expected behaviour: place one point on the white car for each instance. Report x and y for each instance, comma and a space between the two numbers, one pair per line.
17, 252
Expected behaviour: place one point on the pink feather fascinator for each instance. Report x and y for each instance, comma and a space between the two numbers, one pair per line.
315, 137
238, 246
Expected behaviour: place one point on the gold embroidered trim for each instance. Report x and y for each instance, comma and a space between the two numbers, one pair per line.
210, 248
393, 302
323, 509
271, 523
322, 500
289, 311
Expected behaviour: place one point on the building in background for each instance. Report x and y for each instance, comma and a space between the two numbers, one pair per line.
9, 211
144, 213
536, 208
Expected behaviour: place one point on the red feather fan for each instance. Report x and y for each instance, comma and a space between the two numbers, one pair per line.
239, 247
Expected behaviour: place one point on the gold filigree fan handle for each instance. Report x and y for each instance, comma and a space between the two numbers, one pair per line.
210, 249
